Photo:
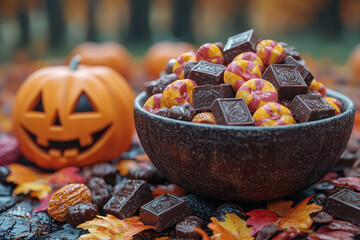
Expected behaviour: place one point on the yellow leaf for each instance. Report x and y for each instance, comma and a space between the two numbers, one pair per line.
38, 188
280, 207
299, 216
233, 228
110, 227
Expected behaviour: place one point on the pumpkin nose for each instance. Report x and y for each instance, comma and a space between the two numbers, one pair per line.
56, 121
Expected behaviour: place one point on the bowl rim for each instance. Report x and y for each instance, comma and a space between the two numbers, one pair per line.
346, 103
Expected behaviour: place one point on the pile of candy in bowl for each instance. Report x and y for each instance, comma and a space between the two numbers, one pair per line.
244, 83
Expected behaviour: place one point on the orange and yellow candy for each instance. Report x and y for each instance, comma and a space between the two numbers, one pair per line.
317, 88
178, 67
211, 53
204, 117
251, 57
273, 114
154, 103
240, 71
270, 52
256, 93
335, 103
178, 92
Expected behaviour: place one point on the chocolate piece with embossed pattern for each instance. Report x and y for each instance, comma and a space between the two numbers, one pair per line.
231, 111
286, 79
303, 70
207, 73
204, 96
164, 211
308, 107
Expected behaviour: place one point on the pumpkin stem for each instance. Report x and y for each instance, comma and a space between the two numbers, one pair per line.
74, 63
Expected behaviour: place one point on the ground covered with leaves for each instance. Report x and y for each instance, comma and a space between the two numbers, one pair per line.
25, 191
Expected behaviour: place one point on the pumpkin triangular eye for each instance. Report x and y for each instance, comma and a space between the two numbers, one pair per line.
83, 104
39, 104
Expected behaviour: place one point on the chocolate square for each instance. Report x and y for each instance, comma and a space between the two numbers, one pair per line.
158, 85
164, 211
311, 107
231, 111
290, 50
239, 43
128, 199
188, 66
207, 73
286, 79
303, 70
345, 205
205, 95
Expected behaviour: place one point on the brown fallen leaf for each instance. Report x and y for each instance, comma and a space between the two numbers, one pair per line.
110, 227
299, 216
280, 207
233, 228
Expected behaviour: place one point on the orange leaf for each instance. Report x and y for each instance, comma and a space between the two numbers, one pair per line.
22, 174
204, 235
233, 228
110, 227
124, 166
299, 216
142, 158
38, 188
280, 207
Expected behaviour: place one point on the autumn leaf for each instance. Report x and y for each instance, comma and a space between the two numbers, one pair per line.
232, 228
66, 176
38, 189
328, 177
299, 216
110, 227
280, 207
288, 234
22, 174
259, 218
353, 182
204, 235
44, 204
335, 235
171, 188
124, 166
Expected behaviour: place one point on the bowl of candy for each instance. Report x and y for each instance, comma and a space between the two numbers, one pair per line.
246, 121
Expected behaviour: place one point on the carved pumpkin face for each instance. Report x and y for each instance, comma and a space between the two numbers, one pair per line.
73, 118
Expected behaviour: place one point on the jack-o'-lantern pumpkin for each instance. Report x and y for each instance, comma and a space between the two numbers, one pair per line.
73, 116
109, 54
158, 55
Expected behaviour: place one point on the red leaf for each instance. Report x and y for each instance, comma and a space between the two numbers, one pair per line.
259, 218
66, 176
335, 235
290, 233
337, 225
353, 182
44, 204
9, 149
171, 188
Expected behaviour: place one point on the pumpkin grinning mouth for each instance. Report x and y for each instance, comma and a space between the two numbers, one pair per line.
64, 145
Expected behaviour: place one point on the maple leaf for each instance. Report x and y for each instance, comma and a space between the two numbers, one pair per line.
110, 227
171, 188
353, 182
66, 176
233, 228
259, 218
299, 216
39, 189
335, 235
290, 233
22, 174
44, 204
280, 207
124, 166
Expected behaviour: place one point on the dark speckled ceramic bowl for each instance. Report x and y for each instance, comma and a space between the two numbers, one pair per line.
244, 163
